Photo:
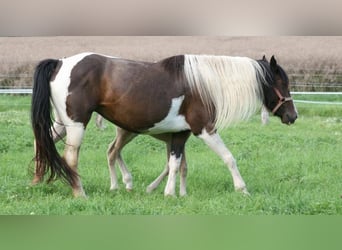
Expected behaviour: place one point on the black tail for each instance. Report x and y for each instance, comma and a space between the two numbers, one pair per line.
47, 156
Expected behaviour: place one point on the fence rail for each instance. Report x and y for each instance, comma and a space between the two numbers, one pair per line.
16, 91
19, 91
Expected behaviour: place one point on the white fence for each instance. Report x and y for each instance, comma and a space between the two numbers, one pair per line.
16, 91
29, 91
316, 93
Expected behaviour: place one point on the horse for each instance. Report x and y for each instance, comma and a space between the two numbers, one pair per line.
173, 97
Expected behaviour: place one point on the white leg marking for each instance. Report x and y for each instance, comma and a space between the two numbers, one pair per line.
174, 164
73, 142
215, 142
126, 175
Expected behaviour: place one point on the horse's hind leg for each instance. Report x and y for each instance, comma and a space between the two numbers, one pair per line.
154, 184
114, 153
215, 142
126, 175
58, 132
74, 138
99, 121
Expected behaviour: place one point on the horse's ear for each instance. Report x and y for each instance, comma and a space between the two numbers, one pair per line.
264, 58
273, 64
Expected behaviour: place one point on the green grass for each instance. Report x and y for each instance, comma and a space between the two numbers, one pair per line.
288, 169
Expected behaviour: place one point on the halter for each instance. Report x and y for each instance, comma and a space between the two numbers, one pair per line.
281, 101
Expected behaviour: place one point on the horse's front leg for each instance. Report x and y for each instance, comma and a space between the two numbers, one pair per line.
215, 142
183, 174
160, 178
167, 138
176, 154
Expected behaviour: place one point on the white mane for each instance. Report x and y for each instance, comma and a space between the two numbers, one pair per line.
230, 85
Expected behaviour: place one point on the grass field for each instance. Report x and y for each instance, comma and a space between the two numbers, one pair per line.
288, 169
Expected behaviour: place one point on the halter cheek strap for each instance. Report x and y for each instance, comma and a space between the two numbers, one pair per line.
281, 101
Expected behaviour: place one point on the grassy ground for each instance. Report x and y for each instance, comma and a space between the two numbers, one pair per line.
288, 169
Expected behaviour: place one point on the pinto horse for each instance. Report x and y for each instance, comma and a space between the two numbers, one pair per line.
169, 99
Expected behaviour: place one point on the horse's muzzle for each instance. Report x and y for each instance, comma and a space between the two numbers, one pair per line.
288, 118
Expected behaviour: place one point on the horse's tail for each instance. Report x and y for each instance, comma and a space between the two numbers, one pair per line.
47, 156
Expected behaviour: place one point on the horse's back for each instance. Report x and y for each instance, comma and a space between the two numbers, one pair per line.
134, 95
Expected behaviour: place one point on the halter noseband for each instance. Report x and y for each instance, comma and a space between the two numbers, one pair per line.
281, 101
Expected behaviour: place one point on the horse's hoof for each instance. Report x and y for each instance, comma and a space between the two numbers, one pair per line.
129, 187
173, 195
129, 190
35, 181
80, 195
182, 194
149, 189
114, 188
243, 191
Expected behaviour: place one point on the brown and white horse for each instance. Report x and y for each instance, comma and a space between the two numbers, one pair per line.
169, 99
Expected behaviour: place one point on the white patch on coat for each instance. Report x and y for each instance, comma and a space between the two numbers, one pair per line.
60, 85
173, 122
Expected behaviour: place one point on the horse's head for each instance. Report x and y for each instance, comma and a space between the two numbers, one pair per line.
277, 96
